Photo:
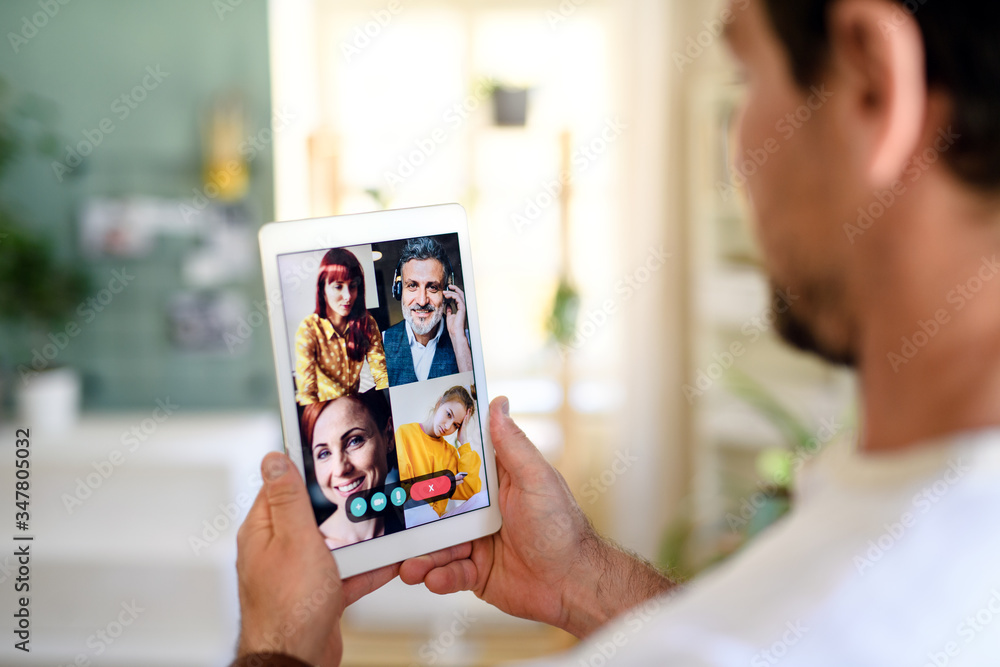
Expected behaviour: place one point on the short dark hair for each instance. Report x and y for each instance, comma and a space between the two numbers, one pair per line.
962, 59
424, 247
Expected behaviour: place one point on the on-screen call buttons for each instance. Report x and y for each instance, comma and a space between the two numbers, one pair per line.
429, 488
359, 506
373, 503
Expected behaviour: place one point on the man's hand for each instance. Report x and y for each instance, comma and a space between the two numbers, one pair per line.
455, 322
455, 311
291, 595
547, 563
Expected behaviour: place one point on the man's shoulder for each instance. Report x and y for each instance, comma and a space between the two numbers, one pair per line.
395, 334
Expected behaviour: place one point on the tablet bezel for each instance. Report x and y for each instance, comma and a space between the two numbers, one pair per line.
281, 238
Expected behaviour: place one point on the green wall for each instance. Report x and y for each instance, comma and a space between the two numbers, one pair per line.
87, 55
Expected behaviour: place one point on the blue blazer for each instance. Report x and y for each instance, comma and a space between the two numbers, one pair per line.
399, 360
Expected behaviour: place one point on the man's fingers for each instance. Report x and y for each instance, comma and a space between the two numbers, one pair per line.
511, 444
361, 585
258, 519
287, 498
414, 570
459, 575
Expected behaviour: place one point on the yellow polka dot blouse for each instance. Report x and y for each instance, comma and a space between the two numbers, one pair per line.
322, 368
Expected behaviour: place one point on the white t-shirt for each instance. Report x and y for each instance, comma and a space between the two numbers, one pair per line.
886, 560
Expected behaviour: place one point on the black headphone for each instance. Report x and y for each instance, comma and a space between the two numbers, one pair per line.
397, 276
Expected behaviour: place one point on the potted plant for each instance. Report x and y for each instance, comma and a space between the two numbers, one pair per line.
38, 289
510, 105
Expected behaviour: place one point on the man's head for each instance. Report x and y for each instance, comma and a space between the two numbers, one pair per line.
424, 271
855, 106
961, 59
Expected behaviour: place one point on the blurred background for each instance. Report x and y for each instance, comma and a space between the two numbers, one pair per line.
624, 312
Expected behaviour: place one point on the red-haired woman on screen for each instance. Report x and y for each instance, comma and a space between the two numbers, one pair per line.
350, 444
332, 343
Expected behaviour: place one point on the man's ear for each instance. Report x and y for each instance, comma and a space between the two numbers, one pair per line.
877, 63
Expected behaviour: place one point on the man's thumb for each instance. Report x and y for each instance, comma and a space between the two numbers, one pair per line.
286, 496
512, 446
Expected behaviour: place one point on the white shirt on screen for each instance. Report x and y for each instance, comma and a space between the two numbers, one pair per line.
423, 355
886, 560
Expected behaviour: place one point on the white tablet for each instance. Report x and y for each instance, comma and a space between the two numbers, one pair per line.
380, 380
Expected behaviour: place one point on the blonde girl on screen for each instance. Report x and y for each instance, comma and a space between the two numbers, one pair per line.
422, 449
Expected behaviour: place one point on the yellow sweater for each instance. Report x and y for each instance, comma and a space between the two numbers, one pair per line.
421, 454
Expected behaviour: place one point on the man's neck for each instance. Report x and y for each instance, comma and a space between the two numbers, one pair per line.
423, 339
951, 389
930, 351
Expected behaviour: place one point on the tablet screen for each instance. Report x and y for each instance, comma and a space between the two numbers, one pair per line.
385, 388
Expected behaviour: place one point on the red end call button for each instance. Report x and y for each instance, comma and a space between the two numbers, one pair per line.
431, 488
